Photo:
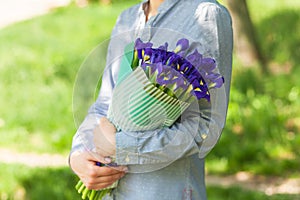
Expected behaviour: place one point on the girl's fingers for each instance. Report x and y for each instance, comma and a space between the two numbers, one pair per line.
104, 180
111, 170
102, 185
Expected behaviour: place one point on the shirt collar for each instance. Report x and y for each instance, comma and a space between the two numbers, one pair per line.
167, 4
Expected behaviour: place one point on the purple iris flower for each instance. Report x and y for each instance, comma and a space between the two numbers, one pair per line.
152, 68
185, 68
200, 89
159, 68
164, 78
218, 82
216, 78
172, 59
140, 47
193, 76
174, 68
195, 58
158, 55
170, 78
181, 82
147, 54
182, 45
164, 47
208, 64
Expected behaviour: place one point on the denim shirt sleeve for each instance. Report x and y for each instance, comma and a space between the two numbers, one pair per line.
201, 125
83, 138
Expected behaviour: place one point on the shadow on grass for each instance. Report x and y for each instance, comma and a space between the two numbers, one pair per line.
261, 130
264, 109
280, 36
233, 193
58, 184
50, 184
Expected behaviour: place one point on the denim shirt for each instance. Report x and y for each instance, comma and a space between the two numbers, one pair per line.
167, 163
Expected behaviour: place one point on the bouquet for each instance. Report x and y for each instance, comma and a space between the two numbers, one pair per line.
155, 86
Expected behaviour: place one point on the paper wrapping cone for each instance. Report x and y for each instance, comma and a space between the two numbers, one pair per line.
137, 105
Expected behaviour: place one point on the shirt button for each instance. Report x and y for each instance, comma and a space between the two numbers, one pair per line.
204, 136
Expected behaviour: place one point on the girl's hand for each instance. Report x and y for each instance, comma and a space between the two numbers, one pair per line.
93, 176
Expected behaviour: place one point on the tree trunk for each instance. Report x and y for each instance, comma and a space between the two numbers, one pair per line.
247, 47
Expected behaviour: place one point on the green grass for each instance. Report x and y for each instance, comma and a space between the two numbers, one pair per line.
39, 61
22, 182
263, 123
262, 128
235, 193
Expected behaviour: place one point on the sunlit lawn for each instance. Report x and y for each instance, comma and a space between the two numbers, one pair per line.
58, 183
39, 60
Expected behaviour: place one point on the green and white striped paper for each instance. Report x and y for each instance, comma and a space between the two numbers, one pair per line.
137, 105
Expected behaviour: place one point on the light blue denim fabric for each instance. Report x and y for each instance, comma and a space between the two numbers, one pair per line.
167, 164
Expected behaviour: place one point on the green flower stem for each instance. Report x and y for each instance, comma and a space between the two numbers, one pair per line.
152, 76
165, 90
85, 193
185, 96
135, 61
80, 190
90, 194
79, 183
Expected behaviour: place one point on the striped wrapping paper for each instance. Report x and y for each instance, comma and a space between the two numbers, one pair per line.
137, 105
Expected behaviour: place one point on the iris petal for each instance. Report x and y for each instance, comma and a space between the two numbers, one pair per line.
182, 45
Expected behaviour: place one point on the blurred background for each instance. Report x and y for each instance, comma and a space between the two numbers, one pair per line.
44, 42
